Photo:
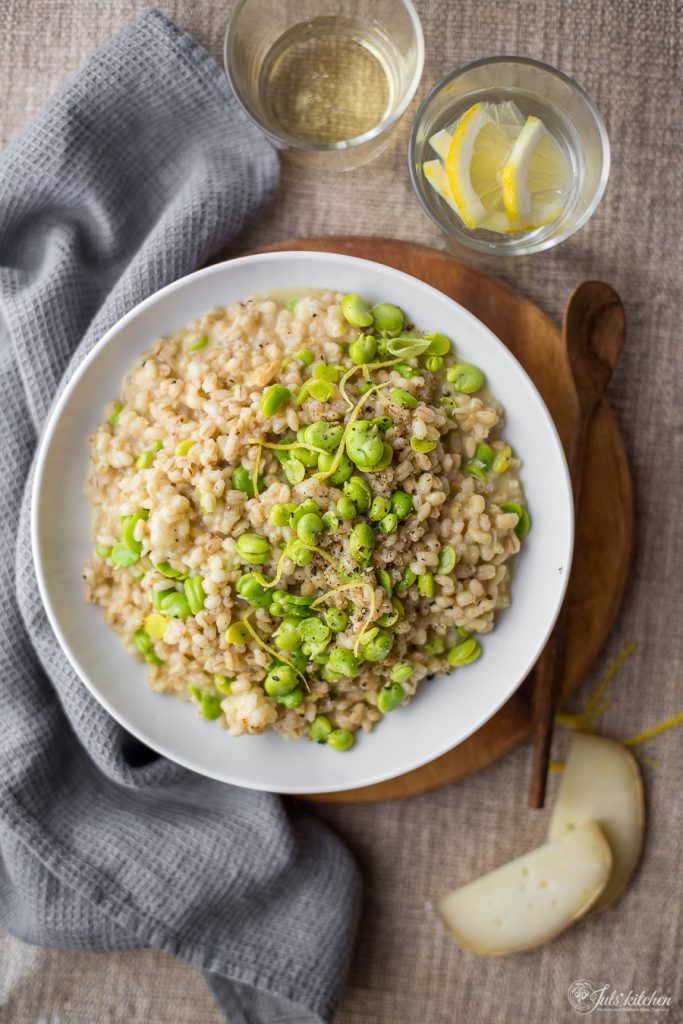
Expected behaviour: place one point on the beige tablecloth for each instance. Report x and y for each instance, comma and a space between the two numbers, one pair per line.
627, 55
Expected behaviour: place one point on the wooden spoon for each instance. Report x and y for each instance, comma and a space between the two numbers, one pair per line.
593, 333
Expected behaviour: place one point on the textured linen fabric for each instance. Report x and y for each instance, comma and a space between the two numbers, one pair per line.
406, 970
133, 174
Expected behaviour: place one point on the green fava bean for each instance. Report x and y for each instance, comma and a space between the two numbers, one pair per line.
305, 456
464, 653
253, 592
309, 527
403, 398
222, 683
523, 518
389, 697
274, 398
242, 481
300, 510
280, 681
434, 363
323, 435
401, 504
253, 549
355, 311
379, 509
439, 344
286, 636
320, 390
102, 551
384, 580
435, 646
346, 508
465, 378
379, 647
331, 520
425, 585
319, 729
194, 592
342, 661
358, 490
401, 671
387, 456
210, 706
387, 317
175, 605
406, 370
323, 371
279, 514
142, 641
447, 560
361, 543
293, 699
300, 556
237, 634
364, 444
340, 739
383, 422
422, 445
389, 523
341, 473
122, 556
313, 631
336, 619
502, 459
363, 349
483, 454
295, 471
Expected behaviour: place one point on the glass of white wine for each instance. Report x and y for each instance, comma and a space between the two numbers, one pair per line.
325, 79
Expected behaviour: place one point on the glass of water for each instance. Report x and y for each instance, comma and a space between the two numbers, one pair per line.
326, 79
573, 124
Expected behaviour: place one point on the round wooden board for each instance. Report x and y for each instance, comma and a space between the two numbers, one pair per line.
604, 532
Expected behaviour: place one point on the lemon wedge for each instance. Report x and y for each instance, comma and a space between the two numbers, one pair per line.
478, 150
535, 176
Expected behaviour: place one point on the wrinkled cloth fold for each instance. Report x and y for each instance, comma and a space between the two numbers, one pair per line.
134, 173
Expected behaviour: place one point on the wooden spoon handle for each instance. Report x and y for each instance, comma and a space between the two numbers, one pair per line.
593, 333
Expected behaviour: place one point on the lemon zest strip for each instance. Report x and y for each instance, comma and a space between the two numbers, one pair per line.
285, 447
267, 584
273, 653
254, 473
371, 616
352, 419
654, 730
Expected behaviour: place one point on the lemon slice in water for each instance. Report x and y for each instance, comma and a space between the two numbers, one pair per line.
536, 175
478, 150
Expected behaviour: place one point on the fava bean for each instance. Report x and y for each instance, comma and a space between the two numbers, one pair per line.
355, 311
464, 653
387, 317
465, 378
340, 739
319, 729
253, 549
389, 697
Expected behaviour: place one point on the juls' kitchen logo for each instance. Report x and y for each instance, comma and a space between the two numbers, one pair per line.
585, 997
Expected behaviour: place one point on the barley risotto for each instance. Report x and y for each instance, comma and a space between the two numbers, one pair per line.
302, 508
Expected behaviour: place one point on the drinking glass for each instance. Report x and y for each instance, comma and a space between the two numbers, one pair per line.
537, 89
325, 79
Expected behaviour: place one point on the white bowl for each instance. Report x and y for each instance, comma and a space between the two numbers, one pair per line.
446, 709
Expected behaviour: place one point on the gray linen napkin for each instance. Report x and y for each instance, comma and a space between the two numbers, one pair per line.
134, 173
